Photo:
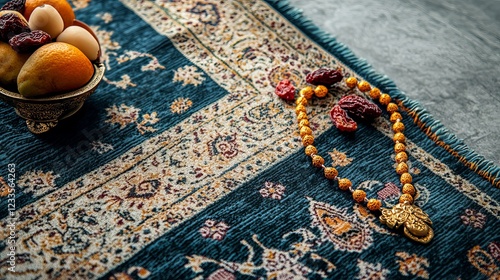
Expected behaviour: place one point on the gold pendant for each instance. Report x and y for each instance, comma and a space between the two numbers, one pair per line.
417, 224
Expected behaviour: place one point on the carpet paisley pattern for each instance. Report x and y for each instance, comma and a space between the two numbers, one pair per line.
185, 165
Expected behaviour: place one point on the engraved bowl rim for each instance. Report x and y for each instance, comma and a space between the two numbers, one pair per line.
99, 70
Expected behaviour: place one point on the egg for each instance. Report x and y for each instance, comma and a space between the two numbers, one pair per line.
46, 18
82, 39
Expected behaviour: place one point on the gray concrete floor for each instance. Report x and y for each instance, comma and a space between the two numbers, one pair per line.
444, 54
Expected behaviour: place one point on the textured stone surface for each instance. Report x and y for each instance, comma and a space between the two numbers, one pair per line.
445, 55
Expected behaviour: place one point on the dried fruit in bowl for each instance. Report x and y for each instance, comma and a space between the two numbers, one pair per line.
14, 5
28, 42
61, 49
11, 24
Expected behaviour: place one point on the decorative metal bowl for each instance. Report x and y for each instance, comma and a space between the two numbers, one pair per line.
44, 113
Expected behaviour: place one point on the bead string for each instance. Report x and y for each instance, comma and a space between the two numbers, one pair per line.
331, 173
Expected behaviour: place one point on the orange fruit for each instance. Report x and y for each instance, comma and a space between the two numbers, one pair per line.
54, 68
62, 6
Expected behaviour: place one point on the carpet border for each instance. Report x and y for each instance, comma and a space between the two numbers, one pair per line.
433, 128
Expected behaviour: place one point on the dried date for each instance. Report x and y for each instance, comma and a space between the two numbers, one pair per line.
28, 42
324, 76
285, 90
341, 120
14, 5
359, 107
10, 25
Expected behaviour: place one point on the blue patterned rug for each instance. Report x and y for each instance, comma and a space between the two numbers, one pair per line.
185, 165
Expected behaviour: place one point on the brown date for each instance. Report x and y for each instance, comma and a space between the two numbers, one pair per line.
14, 5
324, 76
28, 42
359, 107
341, 120
10, 25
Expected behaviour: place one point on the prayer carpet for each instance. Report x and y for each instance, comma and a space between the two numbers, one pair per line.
184, 164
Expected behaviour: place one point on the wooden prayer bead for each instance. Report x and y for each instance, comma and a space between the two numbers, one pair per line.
364, 86
330, 173
374, 204
384, 99
344, 184
359, 195
351, 82
320, 91
317, 161
311, 150
375, 93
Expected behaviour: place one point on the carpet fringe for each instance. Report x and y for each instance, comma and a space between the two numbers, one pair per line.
433, 128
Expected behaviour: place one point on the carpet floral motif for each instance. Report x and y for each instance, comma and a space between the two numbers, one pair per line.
79, 4
100, 147
214, 229
344, 230
124, 115
473, 218
275, 263
486, 261
4, 188
188, 75
273, 190
131, 273
412, 265
38, 182
369, 271
339, 158
152, 65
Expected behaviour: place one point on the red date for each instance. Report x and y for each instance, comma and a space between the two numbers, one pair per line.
28, 42
341, 120
285, 90
359, 107
324, 76
14, 5
11, 25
